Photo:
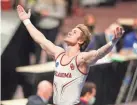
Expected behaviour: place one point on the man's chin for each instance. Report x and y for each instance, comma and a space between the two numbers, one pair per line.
67, 42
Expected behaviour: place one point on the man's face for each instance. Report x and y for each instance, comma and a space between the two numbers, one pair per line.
74, 37
91, 96
48, 92
93, 92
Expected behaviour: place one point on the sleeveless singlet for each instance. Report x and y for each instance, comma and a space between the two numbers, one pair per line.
68, 82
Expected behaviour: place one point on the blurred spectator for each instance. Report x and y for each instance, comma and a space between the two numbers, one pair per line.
69, 7
31, 4
89, 3
130, 38
107, 2
88, 94
73, 7
44, 93
17, 2
77, 8
14, 3
90, 21
52, 13
99, 40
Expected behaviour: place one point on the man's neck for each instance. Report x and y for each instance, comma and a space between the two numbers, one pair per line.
72, 51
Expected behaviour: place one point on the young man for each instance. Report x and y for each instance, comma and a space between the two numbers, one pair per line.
71, 65
88, 94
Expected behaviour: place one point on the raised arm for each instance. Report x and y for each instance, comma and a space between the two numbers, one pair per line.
94, 55
37, 36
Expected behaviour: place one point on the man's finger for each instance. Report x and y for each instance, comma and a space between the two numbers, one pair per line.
21, 8
29, 12
117, 33
117, 29
18, 9
121, 29
19, 12
114, 34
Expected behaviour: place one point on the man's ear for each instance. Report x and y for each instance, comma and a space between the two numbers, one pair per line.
80, 41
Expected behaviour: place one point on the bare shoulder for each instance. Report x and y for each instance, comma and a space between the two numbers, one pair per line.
82, 65
80, 58
84, 54
60, 48
85, 57
58, 51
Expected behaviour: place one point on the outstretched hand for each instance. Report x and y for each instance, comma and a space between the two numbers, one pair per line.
117, 31
22, 13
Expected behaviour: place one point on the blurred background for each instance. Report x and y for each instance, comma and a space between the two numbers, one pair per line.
24, 65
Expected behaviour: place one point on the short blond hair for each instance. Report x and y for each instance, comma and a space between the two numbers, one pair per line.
86, 35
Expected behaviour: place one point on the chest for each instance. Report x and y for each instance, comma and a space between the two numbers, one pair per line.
66, 68
65, 60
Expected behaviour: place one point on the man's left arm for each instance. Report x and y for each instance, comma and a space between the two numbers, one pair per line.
94, 55
101, 52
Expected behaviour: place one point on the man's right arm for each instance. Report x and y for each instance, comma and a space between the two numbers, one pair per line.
37, 35
42, 41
